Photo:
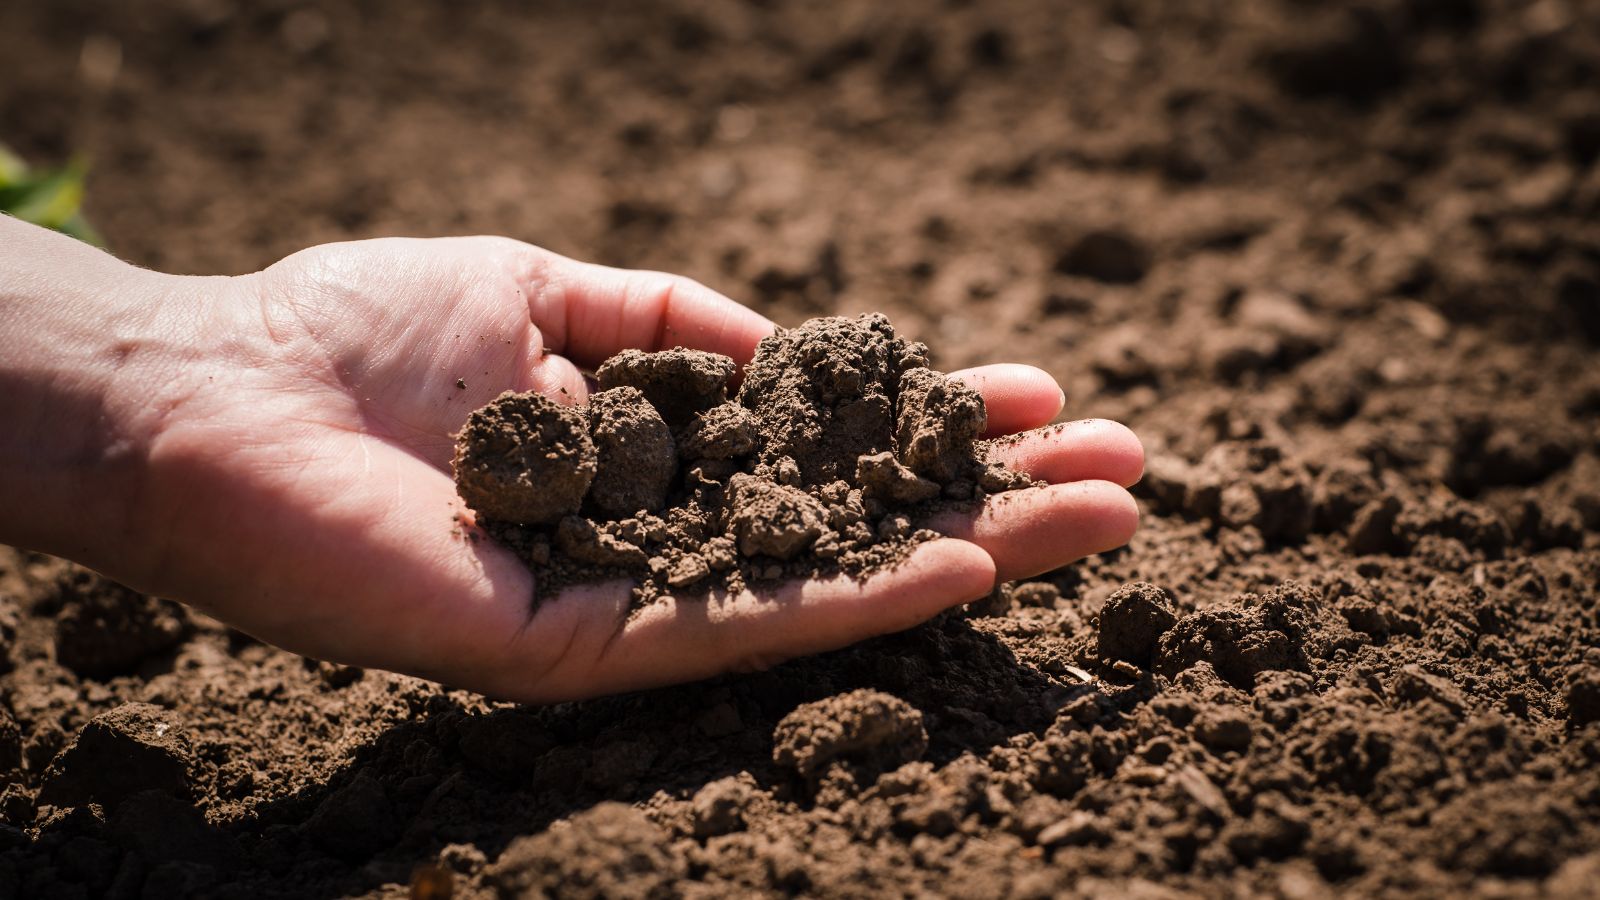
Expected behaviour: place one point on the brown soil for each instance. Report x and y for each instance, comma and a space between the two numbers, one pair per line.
840, 441
1337, 264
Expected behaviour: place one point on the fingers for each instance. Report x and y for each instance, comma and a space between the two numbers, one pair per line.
1017, 397
1089, 449
590, 312
1035, 530
555, 377
682, 640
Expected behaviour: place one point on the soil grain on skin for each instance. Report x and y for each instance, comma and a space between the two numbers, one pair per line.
1335, 263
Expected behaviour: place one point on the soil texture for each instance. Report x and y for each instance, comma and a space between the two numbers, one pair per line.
840, 440
1338, 264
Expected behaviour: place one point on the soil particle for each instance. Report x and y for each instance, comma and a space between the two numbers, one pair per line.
1583, 696
1241, 642
726, 431
719, 807
1414, 685
679, 383
1224, 730
863, 726
132, 748
106, 629
689, 569
883, 477
824, 392
636, 457
1132, 621
525, 459
773, 519
936, 422
609, 850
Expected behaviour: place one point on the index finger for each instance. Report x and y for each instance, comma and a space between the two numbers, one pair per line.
589, 312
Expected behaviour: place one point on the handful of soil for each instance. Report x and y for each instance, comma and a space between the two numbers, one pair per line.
840, 440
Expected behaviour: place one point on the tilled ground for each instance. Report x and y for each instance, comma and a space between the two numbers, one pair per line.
1338, 264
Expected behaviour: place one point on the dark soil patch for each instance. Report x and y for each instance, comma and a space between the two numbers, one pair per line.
1335, 263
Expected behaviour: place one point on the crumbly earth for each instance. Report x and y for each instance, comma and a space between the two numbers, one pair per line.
531, 460
1335, 263
636, 457
105, 629
679, 382
841, 439
866, 726
827, 395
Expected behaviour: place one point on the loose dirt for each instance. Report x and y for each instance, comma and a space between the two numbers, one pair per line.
1337, 264
840, 439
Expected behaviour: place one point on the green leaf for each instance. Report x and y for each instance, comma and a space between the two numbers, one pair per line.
12, 168
50, 198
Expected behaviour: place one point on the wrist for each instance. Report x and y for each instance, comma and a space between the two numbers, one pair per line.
95, 357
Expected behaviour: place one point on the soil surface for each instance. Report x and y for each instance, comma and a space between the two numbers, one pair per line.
840, 442
1337, 263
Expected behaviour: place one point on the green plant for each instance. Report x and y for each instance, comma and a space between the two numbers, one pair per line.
48, 197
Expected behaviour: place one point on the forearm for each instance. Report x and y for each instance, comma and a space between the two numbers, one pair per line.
84, 353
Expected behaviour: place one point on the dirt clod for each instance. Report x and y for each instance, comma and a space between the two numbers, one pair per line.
636, 457
1224, 730
884, 478
598, 545
611, 850
863, 726
679, 383
824, 392
773, 519
936, 422
134, 747
1132, 621
718, 808
1583, 696
726, 431
106, 629
525, 459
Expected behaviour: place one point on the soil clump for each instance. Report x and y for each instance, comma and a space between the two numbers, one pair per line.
840, 438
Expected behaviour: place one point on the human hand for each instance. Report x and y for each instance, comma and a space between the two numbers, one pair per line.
297, 483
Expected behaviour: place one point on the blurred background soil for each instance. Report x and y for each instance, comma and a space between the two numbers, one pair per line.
1338, 264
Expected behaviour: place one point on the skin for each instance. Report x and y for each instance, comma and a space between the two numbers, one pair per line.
274, 449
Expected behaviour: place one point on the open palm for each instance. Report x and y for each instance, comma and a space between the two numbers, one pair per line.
308, 497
